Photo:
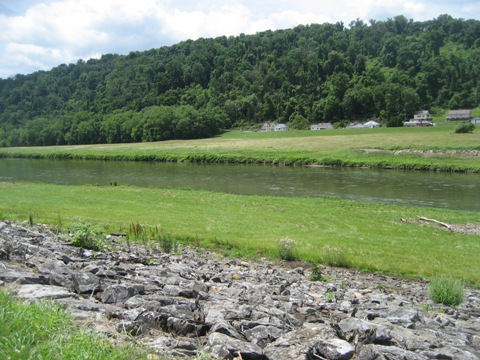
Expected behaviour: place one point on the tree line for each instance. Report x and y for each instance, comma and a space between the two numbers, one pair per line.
385, 70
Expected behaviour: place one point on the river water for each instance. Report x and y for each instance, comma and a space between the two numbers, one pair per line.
434, 189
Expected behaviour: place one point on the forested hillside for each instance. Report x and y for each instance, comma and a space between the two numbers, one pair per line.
323, 72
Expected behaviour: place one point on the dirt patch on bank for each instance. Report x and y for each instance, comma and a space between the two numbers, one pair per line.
426, 153
471, 229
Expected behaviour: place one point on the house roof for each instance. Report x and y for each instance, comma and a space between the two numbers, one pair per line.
355, 126
322, 125
460, 112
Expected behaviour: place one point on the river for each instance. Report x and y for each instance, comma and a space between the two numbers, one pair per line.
433, 189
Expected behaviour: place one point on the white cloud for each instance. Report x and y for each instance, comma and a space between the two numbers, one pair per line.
40, 34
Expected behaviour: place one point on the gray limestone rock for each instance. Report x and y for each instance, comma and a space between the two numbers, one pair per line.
263, 335
332, 349
380, 352
37, 292
218, 343
297, 344
86, 282
118, 294
225, 328
11, 272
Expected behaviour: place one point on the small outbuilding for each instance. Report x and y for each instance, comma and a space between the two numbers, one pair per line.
267, 127
281, 127
355, 125
371, 124
321, 126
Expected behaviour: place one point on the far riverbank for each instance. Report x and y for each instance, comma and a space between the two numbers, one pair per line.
427, 149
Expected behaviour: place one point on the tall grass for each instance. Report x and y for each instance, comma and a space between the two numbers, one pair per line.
446, 290
370, 236
44, 331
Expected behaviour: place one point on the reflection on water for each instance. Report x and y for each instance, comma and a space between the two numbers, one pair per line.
447, 190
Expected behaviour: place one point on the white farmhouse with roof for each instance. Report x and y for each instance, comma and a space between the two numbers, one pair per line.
462, 115
371, 124
281, 127
321, 126
423, 115
267, 127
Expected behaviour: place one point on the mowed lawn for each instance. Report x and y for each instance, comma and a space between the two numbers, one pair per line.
372, 237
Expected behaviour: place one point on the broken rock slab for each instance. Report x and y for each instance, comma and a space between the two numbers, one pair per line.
38, 292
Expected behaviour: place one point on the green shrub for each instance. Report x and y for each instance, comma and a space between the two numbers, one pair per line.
167, 242
137, 232
87, 236
464, 128
286, 249
447, 291
316, 274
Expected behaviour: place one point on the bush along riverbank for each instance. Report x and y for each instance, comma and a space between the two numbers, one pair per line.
192, 302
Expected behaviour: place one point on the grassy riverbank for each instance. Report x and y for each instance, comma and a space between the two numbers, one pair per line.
368, 236
434, 148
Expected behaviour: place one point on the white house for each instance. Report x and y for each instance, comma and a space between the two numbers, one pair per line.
281, 127
423, 115
268, 127
321, 126
454, 115
371, 124
476, 121
355, 125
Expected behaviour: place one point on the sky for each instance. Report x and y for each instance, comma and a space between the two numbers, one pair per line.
41, 34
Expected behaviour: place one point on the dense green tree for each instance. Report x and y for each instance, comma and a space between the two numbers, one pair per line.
319, 72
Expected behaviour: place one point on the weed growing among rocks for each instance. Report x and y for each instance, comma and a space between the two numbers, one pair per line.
330, 296
87, 236
137, 232
167, 242
316, 274
286, 249
447, 291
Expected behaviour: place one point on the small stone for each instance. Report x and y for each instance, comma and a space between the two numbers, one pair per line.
358, 296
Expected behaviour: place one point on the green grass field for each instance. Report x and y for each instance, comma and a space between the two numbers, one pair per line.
439, 149
372, 237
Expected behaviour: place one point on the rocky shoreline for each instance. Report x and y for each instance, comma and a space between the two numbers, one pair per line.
194, 301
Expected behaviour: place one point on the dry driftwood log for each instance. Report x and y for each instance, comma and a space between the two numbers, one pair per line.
448, 226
